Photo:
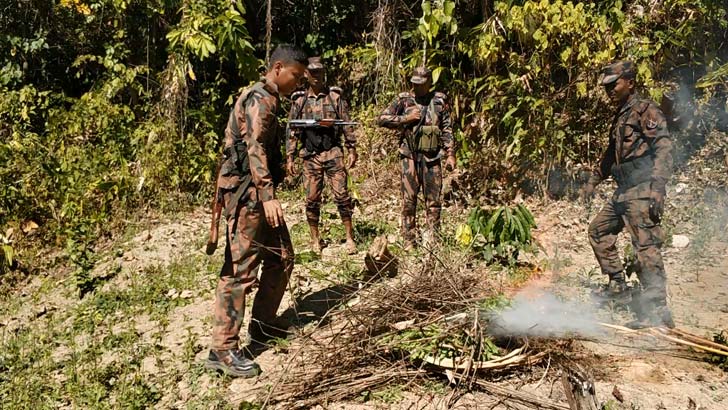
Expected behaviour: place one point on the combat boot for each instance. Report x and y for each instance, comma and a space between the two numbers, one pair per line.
660, 316
616, 290
232, 362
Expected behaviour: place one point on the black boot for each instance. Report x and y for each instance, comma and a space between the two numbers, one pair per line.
232, 362
616, 290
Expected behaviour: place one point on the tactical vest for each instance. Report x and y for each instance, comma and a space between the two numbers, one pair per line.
428, 136
320, 139
636, 170
235, 168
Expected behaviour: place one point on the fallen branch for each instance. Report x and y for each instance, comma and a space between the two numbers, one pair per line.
519, 396
678, 336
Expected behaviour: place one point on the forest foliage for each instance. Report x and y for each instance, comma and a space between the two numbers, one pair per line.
108, 106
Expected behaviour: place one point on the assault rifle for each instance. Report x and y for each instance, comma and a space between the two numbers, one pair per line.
217, 206
326, 122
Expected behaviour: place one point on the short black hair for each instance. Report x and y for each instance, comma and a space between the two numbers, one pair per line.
287, 54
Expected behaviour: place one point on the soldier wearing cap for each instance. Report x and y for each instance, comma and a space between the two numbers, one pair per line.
423, 119
639, 158
321, 150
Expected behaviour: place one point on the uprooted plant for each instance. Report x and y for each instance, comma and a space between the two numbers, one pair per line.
408, 329
498, 234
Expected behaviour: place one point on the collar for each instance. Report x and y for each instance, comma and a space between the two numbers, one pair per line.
310, 93
633, 98
425, 98
271, 87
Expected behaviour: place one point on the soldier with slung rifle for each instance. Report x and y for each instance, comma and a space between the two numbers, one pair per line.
251, 168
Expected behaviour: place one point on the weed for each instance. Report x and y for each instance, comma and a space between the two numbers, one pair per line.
436, 387
495, 303
499, 234
389, 395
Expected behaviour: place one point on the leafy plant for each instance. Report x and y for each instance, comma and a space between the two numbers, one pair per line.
720, 360
440, 342
7, 254
497, 234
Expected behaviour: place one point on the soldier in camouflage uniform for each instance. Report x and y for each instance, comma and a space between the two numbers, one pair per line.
423, 119
256, 231
321, 150
639, 157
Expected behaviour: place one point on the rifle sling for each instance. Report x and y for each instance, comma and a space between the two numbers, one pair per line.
416, 131
232, 205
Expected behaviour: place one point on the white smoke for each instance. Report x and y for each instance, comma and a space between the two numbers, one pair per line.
536, 312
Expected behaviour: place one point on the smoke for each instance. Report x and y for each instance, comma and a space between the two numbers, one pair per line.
536, 312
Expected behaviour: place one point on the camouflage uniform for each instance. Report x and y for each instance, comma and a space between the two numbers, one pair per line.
251, 169
420, 169
639, 157
321, 149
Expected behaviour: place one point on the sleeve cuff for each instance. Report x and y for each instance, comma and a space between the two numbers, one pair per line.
267, 194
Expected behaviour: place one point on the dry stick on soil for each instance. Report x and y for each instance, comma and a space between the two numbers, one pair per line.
697, 339
519, 396
352, 357
659, 332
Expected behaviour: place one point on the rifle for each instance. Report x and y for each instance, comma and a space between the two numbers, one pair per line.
326, 122
217, 205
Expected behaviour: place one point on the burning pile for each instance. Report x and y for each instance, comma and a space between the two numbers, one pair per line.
425, 324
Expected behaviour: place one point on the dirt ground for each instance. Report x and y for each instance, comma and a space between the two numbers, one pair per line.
649, 373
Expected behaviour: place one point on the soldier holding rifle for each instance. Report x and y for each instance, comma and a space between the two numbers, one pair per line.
318, 117
423, 119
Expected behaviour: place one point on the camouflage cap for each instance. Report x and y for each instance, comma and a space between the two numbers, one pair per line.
314, 63
420, 75
615, 71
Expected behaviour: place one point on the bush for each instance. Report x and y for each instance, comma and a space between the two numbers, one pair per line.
498, 234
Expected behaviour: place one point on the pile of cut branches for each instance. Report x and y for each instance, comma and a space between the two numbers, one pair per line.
403, 331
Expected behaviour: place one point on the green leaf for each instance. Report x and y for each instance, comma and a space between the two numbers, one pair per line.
449, 7
426, 8
436, 74
8, 252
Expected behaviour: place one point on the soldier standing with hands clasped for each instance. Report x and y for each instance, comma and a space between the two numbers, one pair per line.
321, 150
639, 157
423, 119
251, 168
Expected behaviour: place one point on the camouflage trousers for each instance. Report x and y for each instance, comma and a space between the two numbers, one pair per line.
647, 238
328, 164
420, 173
250, 241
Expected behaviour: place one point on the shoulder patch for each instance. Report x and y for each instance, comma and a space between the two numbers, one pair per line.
651, 124
297, 95
405, 94
440, 95
337, 90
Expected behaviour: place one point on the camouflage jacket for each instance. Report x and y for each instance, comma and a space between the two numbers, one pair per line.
639, 155
393, 117
308, 105
252, 142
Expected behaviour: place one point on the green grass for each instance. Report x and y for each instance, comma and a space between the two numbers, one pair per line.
91, 355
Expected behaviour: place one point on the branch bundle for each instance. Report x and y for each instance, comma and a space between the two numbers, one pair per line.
402, 331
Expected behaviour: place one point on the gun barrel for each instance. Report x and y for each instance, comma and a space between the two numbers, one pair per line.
315, 123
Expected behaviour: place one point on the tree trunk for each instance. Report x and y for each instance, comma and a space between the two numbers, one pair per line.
379, 259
